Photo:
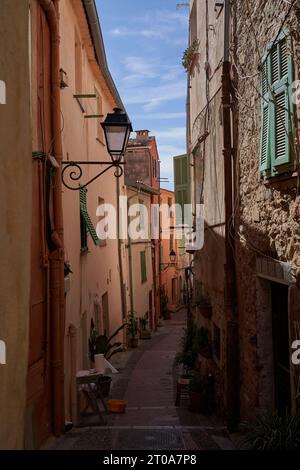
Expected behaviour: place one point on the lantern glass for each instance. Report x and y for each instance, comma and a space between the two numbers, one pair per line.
116, 138
117, 128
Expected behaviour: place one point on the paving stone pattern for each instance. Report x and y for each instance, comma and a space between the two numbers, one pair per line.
147, 381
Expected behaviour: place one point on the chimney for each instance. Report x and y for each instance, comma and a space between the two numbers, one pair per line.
142, 135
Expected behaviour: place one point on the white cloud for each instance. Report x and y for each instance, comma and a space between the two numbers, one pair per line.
148, 33
140, 68
152, 97
160, 24
173, 133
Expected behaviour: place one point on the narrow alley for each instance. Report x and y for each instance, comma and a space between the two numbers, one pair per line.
146, 380
150, 227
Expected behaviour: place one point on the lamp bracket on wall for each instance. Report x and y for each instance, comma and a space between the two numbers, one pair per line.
72, 171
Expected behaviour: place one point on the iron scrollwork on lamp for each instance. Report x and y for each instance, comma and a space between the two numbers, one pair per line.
117, 128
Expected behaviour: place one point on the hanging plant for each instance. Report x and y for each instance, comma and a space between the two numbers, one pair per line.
189, 54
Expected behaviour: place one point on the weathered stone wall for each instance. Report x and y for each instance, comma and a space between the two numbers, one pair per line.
268, 214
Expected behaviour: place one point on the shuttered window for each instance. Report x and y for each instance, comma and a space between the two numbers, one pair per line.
181, 185
85, 222
143, 266
277, 120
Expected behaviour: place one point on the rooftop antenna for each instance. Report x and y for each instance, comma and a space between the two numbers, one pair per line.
182, 5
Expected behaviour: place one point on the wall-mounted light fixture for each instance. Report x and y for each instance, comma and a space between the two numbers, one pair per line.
117, 128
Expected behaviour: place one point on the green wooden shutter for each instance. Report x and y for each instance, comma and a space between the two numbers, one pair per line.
181, 184
85, 216
281, 107
277, 127
265, 149
143, 266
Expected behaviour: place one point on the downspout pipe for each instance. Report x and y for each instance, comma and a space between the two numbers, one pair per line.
57, 256
232, 378
121, 273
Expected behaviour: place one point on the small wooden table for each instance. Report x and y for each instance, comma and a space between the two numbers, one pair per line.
92, 392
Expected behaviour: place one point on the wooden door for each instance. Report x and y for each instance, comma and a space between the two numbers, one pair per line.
39, 374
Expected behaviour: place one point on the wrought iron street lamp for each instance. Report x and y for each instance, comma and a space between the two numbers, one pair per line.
117, 128
172, 256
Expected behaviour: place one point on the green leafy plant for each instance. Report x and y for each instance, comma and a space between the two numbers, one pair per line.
189, 54
187, 356
194, 341
273, 432
143, 323
102, 344
132, 324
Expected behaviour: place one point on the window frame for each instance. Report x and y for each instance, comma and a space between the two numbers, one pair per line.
271, 165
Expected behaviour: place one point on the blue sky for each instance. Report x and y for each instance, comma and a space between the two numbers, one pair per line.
144, 42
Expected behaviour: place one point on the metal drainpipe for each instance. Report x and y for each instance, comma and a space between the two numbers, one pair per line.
232, 389
57, 256
121, 274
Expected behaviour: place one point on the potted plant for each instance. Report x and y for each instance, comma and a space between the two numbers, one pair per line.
190, 55
273, 432
188, 355
132, 330
144, 332
102, 344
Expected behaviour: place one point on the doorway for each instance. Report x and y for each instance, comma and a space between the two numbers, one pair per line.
281, 347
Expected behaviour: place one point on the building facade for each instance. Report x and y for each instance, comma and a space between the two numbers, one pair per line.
171, 281
243, 145
95, 285
47, 303
142, 179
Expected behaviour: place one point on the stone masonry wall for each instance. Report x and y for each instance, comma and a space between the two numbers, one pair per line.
268, 215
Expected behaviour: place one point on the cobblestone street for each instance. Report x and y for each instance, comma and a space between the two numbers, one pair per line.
147, 381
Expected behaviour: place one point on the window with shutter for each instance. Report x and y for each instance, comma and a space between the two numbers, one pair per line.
85, 221
277, 125
143, 266
181, 185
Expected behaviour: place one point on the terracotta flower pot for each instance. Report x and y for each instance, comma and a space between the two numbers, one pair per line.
145, 334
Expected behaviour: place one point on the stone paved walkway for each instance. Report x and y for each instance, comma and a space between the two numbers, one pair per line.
151, 422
